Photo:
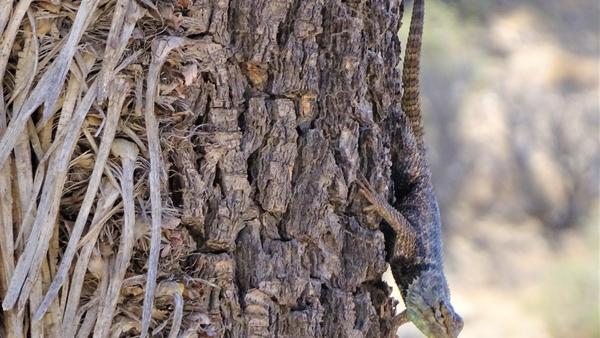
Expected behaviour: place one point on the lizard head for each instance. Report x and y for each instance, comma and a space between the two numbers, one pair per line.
428, 305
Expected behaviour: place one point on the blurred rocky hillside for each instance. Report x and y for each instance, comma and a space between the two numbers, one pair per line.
511, 99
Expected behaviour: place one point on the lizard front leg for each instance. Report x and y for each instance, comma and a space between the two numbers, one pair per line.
398, 320
404, 231
405, 234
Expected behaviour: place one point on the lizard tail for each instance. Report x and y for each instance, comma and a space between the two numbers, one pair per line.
411, 104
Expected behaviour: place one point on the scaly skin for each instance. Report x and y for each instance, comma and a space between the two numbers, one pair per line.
417, 266
411, 70
416, 259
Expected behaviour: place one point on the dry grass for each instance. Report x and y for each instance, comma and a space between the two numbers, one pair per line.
80, 80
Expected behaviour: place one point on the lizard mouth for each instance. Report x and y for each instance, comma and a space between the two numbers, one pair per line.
427, 323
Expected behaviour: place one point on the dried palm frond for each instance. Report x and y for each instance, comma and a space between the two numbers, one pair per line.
84, 234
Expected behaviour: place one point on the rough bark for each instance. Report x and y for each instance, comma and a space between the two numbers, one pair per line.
267, 110
286, 121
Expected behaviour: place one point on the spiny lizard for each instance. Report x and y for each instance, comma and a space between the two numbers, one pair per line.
416, 257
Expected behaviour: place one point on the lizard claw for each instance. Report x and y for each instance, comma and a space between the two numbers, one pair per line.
370, 208
362, 182
367, 191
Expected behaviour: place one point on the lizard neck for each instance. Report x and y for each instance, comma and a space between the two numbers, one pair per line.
407, 270
428, 306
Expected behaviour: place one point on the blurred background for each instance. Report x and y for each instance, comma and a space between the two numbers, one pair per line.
511, 104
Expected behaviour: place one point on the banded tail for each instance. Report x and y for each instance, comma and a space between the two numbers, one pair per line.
411, 101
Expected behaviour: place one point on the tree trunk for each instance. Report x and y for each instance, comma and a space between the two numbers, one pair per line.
266, 112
